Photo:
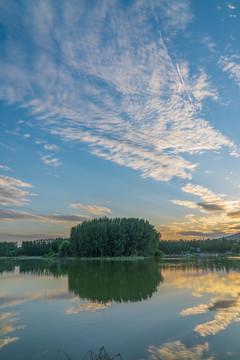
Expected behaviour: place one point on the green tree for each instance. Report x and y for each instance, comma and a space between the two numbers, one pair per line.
65, 248
235, 248
114, 237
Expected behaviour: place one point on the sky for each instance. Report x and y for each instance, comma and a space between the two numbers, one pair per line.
119, 109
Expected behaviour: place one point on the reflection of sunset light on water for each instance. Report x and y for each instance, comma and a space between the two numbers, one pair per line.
89, 306
201, 282
225, 305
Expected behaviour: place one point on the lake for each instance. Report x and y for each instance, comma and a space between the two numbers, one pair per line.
142, 309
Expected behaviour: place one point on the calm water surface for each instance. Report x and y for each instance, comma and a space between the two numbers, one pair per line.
146, 309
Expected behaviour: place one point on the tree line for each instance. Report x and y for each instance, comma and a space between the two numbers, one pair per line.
209, 246
103, 237
43, 247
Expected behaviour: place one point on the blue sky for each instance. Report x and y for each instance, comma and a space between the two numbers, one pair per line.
119, 109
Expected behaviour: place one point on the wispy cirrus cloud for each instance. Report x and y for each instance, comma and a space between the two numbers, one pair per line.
92, 209
176, 15
231, 65
135, 105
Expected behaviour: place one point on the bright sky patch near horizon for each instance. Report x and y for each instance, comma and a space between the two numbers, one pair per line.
119, 109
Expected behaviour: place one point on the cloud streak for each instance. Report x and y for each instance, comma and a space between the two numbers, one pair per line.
231, 65
10, 192
92, 209
14, 215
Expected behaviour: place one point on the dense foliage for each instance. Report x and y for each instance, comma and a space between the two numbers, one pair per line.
214, 245
8, 248
49, 247
114, 237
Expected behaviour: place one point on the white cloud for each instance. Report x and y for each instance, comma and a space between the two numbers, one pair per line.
210, 44
10, 194
9, 181
210, 200
232, 7
4, 167
189, 204
49, 160
205, 194
52, 147
92, 209
176, 15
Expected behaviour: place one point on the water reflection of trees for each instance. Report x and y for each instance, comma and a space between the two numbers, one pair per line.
101, 281
115, 281
202, 264
119, 281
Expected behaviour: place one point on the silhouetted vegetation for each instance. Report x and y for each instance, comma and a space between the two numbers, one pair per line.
114, 237
91, 355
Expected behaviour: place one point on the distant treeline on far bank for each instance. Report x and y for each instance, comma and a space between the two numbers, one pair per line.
104, 237
179, 247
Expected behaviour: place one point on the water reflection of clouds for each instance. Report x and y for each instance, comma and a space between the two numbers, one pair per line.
227, 311
225, 304
89, 306
224, 284
12, 300
178, 351
7, 321
16, 290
